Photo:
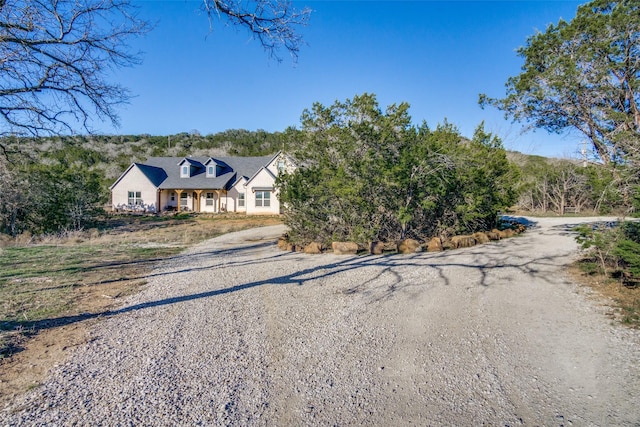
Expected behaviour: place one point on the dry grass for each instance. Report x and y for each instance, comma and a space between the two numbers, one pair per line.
623, 301
47, 280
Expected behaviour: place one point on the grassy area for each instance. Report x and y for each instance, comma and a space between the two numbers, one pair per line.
91, 271
624, 296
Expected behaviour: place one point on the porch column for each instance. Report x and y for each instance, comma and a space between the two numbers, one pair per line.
179, 192
198, 192
219, 193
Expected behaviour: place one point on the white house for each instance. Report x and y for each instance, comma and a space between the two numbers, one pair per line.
202, 184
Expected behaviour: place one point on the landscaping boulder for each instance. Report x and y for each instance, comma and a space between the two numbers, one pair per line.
505, 234
447, 244
313, 248
435, 245
480, 237
283, 242
463, 241
493, 235
409, 246
376, 248
285, 245
344, 248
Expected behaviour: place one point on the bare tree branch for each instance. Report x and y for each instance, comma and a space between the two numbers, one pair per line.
273, 23
56, 57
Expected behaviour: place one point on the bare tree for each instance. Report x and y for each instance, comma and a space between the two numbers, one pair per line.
273, 23
55, 60
57, 56
567, 186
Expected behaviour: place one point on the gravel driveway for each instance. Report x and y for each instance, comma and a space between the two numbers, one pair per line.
235, 332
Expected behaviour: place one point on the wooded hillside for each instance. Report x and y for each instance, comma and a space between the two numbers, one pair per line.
54, 184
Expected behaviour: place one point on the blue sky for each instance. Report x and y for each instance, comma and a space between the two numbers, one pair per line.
435, 55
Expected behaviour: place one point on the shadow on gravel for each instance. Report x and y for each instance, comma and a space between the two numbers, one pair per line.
483, 265
569, 229
187, 257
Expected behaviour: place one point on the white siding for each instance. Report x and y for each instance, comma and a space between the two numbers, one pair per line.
262, 179
289, 167
165, 199
217, 201
232, 197
134, 180
191, 201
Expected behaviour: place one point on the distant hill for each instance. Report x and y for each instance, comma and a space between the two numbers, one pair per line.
522, 159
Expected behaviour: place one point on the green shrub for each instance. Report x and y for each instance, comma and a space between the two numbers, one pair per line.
628, 254
616, 247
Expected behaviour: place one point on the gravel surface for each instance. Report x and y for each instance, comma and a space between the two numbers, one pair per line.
235, 332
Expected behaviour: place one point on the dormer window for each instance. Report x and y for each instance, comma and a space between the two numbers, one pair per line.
215, 169
184, 171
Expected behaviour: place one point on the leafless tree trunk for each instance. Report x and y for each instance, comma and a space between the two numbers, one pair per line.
567, 184
543, 190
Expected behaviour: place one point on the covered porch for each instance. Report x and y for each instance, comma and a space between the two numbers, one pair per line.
193, 200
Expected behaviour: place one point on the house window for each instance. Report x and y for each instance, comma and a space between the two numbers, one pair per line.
183, 199
263, 199
211, 170
185, 171
135, 198
280, 166
173, 197
241, 200
209, 199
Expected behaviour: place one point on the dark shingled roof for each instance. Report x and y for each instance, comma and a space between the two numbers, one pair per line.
155, 167
156, 175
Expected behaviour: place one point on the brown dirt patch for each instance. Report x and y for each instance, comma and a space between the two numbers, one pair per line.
46, 348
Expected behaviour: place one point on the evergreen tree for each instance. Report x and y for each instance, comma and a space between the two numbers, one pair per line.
370, 175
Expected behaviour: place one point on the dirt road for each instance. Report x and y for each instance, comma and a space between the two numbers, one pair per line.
235, 332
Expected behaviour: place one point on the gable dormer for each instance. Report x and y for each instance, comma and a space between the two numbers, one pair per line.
214, 168
188, 168
281, 163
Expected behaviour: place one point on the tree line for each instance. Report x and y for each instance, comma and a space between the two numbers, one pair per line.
374, 173
562, 186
